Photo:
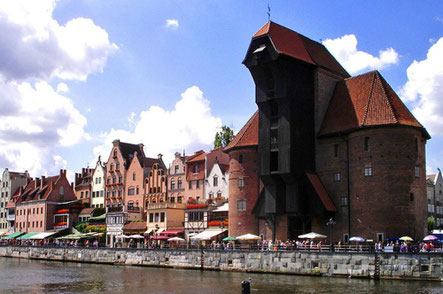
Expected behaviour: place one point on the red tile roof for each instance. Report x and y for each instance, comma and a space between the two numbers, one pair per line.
248, 135
321, 192
41, 192
364, 101
197, 156
295, 45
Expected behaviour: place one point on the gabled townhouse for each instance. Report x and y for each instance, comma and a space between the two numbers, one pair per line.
98, 185
10, 183
138, 173
177, 179
83, 185
195, 176
116, 168
45, 204
217, 175
156, 183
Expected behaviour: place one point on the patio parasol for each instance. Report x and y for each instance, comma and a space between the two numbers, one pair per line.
312, 235
176, 239
430, 238
357, 239
406, 238
248, 237
230, 239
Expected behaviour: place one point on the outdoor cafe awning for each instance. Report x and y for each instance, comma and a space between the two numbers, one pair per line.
27, 236
208, 234
13, 235
41, 236
171, 232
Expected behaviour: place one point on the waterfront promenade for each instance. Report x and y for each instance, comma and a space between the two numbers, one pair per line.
408, 266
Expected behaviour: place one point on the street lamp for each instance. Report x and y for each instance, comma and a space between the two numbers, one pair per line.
330, 223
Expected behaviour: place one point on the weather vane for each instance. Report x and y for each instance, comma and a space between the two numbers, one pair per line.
269, 12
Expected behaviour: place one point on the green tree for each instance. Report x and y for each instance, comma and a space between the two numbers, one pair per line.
431, 224
224, 137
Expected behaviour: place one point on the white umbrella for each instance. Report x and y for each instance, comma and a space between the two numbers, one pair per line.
121, 237
176, 239
248, 237
136, 237
357, 239
312, 235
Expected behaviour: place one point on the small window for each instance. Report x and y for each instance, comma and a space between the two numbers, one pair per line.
335, 150
241, 205
240, 159
131, 191
416, 145
196, 168
179, 184
117, 166
211, 195
368, 171
115, 152
190, 185
345, 238
134, 176
215, 181
112, 166
172, 185
197, 184
344, 201
138, 191
241, 183
219, 194
367, 144
417, 172
337, 177
176, 169
411, 197
380, 237
162, 217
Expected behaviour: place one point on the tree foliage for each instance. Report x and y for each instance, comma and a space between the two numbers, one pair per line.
431, 224
224, 137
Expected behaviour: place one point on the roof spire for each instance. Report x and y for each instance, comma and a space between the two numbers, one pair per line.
269, 12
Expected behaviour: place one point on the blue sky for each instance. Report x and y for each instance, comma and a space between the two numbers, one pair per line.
121, 72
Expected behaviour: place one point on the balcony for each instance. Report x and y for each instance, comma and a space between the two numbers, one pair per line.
164, 205
115, 209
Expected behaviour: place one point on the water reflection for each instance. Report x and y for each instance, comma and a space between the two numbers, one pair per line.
31, 276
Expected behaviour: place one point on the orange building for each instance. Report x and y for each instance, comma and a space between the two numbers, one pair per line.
156, 183
195, 176
138, 173
116, 168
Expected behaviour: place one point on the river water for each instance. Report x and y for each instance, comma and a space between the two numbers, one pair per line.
32, 276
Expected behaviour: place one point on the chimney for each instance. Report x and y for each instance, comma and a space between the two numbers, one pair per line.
36, 183
116, 142
42, 182
160, 156
135, 153
83, 171
72, 185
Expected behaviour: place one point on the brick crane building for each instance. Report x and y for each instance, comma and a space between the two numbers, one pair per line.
330, 146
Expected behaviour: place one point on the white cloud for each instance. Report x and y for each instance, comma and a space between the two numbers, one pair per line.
355, 61
62, 88
36, 46
172, 23
189, 125
424, 89
37, 118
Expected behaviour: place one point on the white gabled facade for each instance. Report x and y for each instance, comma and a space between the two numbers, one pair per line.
217, 183
98, 186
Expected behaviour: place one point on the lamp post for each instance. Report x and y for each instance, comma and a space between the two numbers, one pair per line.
330, 223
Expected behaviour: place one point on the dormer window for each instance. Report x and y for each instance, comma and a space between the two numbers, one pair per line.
115, 153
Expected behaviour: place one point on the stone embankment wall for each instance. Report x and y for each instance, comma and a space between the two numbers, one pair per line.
361, 265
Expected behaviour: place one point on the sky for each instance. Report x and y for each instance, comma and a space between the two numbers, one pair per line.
77, 74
